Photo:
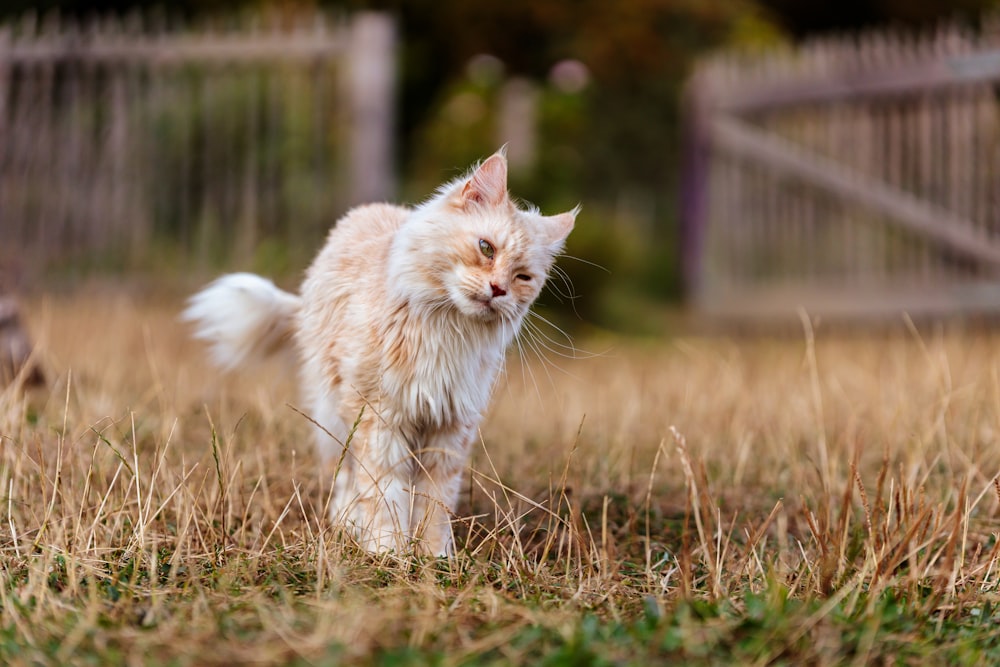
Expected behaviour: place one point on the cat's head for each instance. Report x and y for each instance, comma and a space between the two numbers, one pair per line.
472, 248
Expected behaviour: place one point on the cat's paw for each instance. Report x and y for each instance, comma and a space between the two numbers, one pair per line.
436, 541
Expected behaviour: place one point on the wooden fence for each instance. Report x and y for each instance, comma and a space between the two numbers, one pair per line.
138, 138
851, 177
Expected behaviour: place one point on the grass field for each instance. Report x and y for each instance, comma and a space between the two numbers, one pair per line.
809, 499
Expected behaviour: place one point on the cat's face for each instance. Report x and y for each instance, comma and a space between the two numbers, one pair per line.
483, 255
500, 263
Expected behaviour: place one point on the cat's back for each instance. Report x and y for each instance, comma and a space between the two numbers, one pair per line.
345, 288
356, 252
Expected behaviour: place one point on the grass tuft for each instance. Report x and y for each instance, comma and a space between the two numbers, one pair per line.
824, 500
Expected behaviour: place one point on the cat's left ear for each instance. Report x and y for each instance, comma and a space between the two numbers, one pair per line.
558, 227
488, 184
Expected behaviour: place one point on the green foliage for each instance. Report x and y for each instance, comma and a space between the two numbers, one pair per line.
245, 164
764, 628
612, 144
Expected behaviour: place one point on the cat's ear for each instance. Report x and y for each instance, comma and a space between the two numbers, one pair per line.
558, 227
488, 184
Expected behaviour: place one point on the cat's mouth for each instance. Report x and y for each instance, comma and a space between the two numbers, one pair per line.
485, 307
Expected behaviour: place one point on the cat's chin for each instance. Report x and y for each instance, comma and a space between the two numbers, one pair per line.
480, 309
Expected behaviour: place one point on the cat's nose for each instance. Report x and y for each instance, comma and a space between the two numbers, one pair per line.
497, 290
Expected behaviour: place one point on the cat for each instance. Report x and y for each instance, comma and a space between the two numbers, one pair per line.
401, 328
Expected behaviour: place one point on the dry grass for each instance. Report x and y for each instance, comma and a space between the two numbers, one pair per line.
706, 500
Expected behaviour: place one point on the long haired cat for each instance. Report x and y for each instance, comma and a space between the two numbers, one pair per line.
400, 328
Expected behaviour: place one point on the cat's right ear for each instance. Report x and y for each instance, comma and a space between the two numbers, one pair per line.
488, 184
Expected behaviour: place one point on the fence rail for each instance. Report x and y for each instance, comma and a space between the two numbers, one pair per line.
856, 176
131, 137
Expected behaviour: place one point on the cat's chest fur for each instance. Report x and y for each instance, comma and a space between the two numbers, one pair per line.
437, 374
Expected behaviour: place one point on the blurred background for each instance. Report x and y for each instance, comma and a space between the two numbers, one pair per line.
740, 158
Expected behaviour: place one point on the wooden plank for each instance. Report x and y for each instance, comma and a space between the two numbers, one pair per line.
776, 303
183, 49
6, 84
695, 175
901, 208
854, 85
6, 63
371, 81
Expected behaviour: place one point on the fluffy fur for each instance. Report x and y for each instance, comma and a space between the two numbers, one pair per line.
401, 327
243, 317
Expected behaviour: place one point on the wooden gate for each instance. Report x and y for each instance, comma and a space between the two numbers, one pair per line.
849, 177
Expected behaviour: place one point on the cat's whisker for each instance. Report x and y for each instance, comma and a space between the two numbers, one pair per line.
546, 363
521, 360
584, 261
533, 341
503, 377
576, 353
566, 290
568, 345
552, 324
548, 344
552, 346
525, 365
561, 272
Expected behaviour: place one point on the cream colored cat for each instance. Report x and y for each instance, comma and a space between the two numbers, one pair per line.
403, 321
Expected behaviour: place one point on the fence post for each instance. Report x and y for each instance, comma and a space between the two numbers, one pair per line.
5, 66
5, 85
518, 122
694, 185
371, 84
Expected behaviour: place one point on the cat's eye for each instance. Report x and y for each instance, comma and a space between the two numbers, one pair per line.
487, 248
523, 276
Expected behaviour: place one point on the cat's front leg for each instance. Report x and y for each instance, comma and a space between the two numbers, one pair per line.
381, 471
437, 482
333, 444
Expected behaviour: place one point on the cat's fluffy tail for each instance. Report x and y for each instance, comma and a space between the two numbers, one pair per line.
244, 318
